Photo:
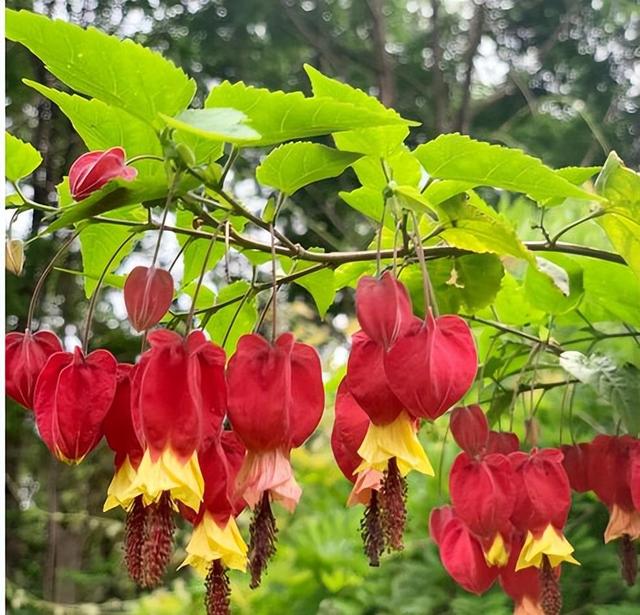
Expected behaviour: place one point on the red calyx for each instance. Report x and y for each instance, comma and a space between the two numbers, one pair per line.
432, 366
25, 356
470, 429
71, 400
383, 308
93, 170
148, 293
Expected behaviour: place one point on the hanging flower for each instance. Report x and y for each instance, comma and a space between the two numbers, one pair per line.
148, 293
460, 552
383, 308
93, 170
72, 397
470, 429
543, 499
432, 366
349, 430
276, 399
25, 356
216, 543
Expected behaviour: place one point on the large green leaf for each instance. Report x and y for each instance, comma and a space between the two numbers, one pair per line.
512, 305
466, 283
320, 285
233, 320
294, 165
367, 201
473, 225
555, 285
621, 186
461, 158
21, 159
379, 141
98, 243
120, 73
218, 124
401, 167
619, 386
279, 117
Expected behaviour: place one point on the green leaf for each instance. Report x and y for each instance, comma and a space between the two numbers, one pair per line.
618, 386
621, 223
20, 158
349, 273
98, 242
219, 124
555, 285
512, 306
461, 158
473, 225
367, 201
240, 319
320, 284
378, 142
442, 190
466, 283
577, 175
120, 73
294, 165
401, 166
279, 117
412, 199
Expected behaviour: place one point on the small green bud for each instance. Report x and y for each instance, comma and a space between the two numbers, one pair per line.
14, 256
269, 211
186, 155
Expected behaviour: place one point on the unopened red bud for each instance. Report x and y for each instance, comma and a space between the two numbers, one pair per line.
93, 170
148, 293
470, 429
14, 256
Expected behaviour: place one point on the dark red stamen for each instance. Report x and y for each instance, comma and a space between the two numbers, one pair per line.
158, 541
393, 496
371, 530
217, 598
550, 595
133, 539
262, 543
628, 560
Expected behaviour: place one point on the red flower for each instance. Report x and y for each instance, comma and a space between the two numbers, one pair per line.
576, 465
72, 397
460, 551
368, 383
93, 170
503, 442
483, 497
383, 308
276, 399
470, 429
25, 356
432, 366
148, 293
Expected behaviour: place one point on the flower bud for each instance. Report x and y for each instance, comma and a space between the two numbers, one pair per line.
14, 256
470, 429
93, 170
148, 293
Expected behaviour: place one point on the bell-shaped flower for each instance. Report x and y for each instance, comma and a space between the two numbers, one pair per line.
543, 499
483, 496
432, 366
148, 293
460, 552
178, 397
72, 397
93, 170
25, 356
470, 429
276, 400
383, 308
576, 464
123, 440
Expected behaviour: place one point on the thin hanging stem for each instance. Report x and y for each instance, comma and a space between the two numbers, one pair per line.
192, 309
274, 324
227, 241
427, 290
43, 277
396, 234
167, 206
186, 244
250, 290
379, 242
96, 292
441, 461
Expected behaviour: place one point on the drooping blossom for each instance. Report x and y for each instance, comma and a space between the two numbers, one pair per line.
93, 170
71, 399
276, 399
432, 366
25, 356
216, 543
148, 293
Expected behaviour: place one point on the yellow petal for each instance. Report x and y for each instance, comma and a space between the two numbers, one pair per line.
210, 542
121, 491
398, 439
552, 543
497, 554
183, 480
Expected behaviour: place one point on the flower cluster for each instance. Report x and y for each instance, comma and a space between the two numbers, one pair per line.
508, 512
401, 370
